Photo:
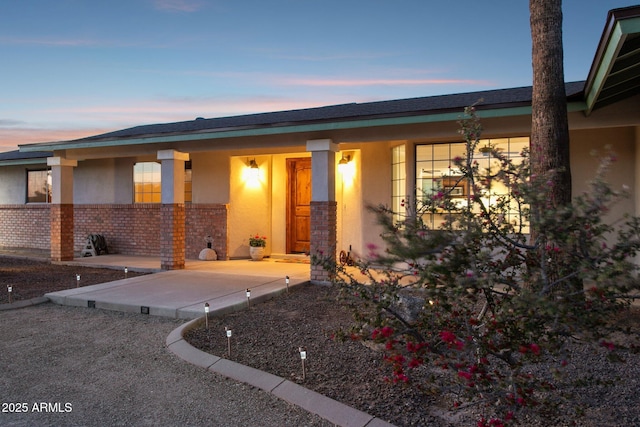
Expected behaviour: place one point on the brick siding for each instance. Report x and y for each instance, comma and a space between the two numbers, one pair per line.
25, 226
323, 236
129, 229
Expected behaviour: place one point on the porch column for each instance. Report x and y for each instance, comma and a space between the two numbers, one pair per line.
323, 204
172, 211
61, 220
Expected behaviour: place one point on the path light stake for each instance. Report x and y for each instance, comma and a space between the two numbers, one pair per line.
248, 297
77, 280
206, 315
226, 328
303, 357
286, 280
126, 271
9, 289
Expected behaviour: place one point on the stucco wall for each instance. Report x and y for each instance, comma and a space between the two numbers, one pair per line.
249, 204
585, 143
13, 188
103, 181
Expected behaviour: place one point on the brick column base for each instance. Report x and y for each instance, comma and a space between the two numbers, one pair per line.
172, 236
323, 237
62, 232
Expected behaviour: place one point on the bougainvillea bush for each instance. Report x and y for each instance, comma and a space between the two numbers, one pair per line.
472, 309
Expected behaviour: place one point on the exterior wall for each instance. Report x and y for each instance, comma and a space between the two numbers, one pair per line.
103, 181
25, 226
134, 229
249, 205
584, 143
129, 229
210, 177
351, 231
14, 184
204, 220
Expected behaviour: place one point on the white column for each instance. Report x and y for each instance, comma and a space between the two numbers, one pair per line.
323, 173
172, 170
61, 180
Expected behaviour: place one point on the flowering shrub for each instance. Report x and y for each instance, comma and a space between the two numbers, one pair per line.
474, 308
257, 241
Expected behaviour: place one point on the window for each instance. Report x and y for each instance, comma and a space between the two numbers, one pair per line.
146, 182
435, 171
147, 179
39, 186
398, 180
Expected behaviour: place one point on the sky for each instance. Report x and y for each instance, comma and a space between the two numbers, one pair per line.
75, 68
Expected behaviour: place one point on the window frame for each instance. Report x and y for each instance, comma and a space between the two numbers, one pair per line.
48, 186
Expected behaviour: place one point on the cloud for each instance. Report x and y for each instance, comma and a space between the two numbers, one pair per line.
48, 41
9, 123
356, 82
178, 5
91, 120
11, 138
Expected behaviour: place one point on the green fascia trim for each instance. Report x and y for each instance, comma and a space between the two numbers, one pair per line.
239, 133
618, 34
23, 162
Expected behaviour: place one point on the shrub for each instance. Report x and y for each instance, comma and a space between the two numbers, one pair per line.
474, 308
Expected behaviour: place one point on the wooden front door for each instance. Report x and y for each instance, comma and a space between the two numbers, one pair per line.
298, 205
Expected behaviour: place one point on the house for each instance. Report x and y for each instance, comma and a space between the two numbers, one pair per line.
303, 177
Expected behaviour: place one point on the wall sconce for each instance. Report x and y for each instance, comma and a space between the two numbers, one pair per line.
343, 163
253, 170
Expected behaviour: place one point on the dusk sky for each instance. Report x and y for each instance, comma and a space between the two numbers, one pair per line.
74, 68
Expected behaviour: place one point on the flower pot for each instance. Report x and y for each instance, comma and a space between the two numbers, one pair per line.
256, 252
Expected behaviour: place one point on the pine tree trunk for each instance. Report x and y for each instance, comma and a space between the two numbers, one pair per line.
549, 122
550, 133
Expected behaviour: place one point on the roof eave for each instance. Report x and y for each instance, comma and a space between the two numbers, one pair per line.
510, 111
620, 23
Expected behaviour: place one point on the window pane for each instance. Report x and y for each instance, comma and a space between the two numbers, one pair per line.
435, 170
147, 182
39, 186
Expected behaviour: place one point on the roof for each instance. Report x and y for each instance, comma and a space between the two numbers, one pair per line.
450, 106
21, 158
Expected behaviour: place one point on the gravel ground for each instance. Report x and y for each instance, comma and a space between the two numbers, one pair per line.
268, 336
107, 368
81, 367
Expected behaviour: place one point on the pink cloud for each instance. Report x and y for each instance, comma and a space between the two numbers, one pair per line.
10, 138
374, 82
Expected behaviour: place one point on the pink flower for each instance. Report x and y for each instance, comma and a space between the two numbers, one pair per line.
608, 345
387, 331
535, 349
447, 336
466, 375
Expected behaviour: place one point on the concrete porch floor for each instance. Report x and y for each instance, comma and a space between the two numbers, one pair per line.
183, 293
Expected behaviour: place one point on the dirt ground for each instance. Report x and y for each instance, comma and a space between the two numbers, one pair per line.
269, 336
30, 278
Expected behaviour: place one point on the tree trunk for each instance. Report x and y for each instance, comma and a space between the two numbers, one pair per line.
550, 160
549, 122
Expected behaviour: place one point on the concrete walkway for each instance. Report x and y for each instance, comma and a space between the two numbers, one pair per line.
183, 293
223, 285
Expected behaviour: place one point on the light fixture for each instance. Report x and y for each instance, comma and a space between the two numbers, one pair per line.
253, 171
344, 161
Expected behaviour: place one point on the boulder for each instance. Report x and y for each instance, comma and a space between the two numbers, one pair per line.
208, 255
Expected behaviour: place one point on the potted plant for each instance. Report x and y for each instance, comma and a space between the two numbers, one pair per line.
256, 247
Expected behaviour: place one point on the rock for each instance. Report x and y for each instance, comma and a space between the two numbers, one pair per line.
208, 255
